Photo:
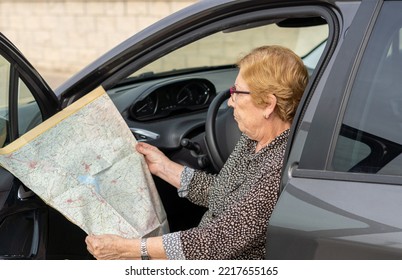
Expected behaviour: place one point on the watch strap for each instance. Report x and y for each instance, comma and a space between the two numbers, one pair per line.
143, 249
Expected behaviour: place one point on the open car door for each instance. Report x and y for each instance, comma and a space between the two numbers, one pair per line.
25, 101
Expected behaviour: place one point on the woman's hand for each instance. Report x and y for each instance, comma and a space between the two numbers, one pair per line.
155, 159
112, 247
160, 165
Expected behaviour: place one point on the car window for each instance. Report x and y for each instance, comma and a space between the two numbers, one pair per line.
311, 59
226, 47
370, 138
28, 115
4, 85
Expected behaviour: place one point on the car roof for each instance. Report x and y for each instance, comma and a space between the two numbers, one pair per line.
92, 75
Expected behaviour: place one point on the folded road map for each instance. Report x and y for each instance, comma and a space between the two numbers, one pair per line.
83, 163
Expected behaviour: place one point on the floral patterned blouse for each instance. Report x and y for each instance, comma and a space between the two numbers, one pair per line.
240, 200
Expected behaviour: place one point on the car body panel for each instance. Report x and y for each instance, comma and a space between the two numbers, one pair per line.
331, 219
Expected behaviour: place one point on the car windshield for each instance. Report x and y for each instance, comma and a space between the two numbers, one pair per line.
226, 47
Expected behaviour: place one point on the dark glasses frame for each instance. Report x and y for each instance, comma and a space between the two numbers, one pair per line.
234, 90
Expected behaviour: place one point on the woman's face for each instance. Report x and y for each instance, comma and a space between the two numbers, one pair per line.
248, 116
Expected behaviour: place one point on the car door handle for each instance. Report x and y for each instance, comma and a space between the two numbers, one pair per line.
144, 135
24, 193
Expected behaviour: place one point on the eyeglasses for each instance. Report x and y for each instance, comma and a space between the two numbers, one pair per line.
233, 90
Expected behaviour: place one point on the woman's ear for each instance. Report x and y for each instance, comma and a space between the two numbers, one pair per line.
270, 106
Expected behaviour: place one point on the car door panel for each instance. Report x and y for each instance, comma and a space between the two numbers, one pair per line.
23, 216
6, 180
321, 219
27, 229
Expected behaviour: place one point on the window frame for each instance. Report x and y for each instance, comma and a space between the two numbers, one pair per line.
21, 69
367, 84
330, 107
316, 158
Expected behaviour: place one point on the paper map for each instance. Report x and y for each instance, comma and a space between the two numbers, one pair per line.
83, 163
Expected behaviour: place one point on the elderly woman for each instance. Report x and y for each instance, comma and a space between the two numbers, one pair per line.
240, 199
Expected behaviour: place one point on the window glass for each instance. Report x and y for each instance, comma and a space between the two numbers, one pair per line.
225, 47
349, 153
4, 91
29, 114
370, 137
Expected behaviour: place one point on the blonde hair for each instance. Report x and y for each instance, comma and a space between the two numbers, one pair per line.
275, 70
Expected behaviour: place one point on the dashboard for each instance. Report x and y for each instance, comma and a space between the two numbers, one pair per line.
164, 110
173, 98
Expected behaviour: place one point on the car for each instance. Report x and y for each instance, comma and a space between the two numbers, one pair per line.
341, 188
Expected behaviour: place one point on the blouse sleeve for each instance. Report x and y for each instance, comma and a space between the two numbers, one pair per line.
198, 189
185, 179
172, 245
238, 230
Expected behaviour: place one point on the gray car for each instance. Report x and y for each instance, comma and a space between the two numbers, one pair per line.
341, 187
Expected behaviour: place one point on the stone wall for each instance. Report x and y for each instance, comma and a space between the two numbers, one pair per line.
60, 37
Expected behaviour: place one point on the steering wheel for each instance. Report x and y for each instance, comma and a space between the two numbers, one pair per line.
221, 131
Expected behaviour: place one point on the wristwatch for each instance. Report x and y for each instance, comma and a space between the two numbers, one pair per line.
144, 251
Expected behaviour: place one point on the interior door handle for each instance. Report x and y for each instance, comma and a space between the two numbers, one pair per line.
144, 135
24, 193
